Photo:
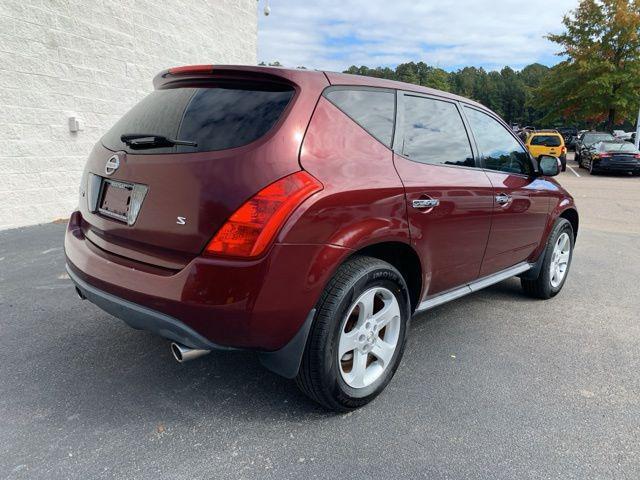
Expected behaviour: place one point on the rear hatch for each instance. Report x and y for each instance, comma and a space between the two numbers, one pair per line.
168, 174
621, 155
546, 144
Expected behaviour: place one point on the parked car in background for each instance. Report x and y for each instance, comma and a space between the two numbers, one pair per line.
612, 156
547, 142
524, 133
306, 216
569, 134
586, 140
622, 135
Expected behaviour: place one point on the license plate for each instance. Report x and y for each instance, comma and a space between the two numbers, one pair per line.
115, 199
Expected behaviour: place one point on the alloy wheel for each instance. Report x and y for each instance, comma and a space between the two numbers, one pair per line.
369, 337
560, 259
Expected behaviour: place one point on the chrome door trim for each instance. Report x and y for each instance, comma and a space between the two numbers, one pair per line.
474, 286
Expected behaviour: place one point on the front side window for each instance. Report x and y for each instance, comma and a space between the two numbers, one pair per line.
434, 133
500, 150
372, 109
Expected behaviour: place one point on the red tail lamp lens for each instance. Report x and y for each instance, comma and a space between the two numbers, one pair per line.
249, 231
191, 69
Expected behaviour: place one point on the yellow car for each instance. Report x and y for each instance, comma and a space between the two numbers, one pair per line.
547, 142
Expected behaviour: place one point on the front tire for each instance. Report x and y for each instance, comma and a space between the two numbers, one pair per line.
558, 254
358, 336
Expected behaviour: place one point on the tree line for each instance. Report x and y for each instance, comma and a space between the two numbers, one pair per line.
509, 93
596, 85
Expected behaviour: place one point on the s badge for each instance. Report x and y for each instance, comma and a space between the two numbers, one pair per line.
181, 220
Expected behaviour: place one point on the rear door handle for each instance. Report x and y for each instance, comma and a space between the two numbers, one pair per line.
425, 203
503, 199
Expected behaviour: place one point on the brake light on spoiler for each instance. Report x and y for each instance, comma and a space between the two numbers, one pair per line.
251, 228
191, 69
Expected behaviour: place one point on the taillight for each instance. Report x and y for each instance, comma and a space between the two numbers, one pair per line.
250, 230
191, 69
603, 155
563, 150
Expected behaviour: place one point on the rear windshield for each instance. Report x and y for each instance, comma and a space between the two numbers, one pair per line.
591, 138
216, 117
618, 147
546, 140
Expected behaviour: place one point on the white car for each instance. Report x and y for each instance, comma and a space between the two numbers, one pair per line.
622, 135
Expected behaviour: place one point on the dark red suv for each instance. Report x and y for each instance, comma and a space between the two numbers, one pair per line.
307, 216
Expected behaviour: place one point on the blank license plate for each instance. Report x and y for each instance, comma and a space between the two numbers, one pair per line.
116, 197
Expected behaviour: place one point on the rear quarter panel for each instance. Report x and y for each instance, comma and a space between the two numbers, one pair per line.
363, 199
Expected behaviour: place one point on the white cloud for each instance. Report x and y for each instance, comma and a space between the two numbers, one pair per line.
335, 34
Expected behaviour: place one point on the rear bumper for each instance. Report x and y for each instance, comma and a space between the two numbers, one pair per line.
605, 165
211, 303
143, 318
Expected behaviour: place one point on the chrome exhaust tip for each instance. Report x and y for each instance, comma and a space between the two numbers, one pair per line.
183, 354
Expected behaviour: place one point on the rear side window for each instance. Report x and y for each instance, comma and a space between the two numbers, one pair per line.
434, 133
372, 109
216, 117
500, 151
546, 140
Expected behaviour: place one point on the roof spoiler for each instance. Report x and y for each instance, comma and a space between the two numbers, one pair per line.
221, 71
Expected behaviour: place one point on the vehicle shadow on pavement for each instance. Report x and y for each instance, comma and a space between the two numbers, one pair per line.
106, 373
104, 368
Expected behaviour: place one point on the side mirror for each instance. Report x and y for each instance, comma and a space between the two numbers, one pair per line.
549, 166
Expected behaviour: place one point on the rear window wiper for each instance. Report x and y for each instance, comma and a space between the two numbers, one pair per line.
139, 141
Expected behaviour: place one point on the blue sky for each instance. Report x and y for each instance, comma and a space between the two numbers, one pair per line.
334, 34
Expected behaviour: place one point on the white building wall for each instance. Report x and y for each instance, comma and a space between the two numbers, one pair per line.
93, 59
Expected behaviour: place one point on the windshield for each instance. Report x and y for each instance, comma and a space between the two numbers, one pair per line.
217, 117
618, 147
546, 140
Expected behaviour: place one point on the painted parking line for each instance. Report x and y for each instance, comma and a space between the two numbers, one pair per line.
574, 172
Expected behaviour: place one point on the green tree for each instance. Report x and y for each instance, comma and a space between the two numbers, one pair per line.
408, 72
532, 76
600, 79
437, 78
513, 95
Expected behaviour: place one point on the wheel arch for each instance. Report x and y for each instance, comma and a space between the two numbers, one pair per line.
571, 214
405, 259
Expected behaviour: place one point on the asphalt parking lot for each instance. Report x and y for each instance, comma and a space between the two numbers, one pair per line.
494, 385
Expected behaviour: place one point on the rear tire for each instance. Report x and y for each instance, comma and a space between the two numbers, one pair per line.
555, 267
349, 320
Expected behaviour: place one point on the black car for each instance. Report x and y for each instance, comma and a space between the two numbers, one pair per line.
587, 140
612, 156
570, 135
